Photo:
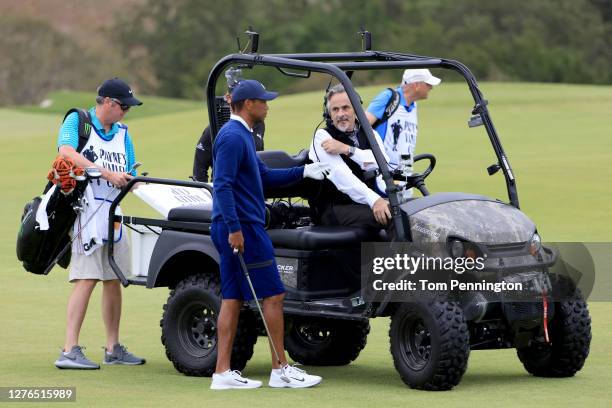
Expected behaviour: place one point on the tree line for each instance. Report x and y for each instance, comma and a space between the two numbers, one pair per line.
171, 45
522, 40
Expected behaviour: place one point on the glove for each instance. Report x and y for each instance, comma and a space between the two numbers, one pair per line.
317, 170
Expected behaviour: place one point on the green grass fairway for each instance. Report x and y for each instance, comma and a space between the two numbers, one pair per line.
558, 140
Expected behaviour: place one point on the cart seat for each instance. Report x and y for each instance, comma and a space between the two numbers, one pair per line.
322, 237
306, 238
278, 159
192, 213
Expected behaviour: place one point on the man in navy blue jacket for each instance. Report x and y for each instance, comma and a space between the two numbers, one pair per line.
238, 223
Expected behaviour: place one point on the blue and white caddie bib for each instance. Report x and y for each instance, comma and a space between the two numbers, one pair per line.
112, 156
401, 134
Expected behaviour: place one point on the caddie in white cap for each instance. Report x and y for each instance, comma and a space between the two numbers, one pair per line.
393, 113
415, 76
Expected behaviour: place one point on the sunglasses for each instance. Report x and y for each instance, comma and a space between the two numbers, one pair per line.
123, 106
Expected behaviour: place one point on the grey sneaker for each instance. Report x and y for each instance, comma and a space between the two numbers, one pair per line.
120, 355
75, 359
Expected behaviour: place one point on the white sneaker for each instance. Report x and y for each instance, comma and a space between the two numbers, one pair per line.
298, 378
232, 379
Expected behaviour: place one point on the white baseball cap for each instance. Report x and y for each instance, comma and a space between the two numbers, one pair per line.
419, 75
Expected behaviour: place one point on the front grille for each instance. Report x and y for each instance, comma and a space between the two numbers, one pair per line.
509, 247
523, 310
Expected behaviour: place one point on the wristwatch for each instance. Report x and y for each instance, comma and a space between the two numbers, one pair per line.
351, 151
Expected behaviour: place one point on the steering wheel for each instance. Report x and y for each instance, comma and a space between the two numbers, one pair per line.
417, 179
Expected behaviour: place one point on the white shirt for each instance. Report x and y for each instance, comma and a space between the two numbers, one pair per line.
239, 119
342, 176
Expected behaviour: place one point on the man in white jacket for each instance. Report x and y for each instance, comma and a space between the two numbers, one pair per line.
351, 195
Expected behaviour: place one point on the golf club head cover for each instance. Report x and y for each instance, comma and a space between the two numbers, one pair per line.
65, 174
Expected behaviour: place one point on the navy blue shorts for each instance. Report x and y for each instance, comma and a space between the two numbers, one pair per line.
259, 257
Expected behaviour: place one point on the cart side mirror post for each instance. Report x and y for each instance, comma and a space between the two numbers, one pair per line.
366, 39
253, 40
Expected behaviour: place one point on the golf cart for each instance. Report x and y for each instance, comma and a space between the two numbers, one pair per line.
326, 313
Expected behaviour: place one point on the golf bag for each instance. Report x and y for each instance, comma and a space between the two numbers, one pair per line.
36, 249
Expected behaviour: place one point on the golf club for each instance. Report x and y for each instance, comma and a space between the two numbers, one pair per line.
69, 244
245, 269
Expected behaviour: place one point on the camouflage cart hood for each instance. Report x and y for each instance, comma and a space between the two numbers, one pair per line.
472, 217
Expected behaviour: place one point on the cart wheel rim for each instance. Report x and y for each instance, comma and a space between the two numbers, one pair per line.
197, 329
415, 343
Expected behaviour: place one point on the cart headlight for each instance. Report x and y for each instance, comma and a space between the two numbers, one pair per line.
456, 248
535, 244
463, 249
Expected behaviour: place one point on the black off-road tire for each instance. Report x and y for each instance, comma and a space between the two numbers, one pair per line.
189, 323
325, 342
430, 344
570, 341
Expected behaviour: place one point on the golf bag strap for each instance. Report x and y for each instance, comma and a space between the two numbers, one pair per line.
85, 126
390, 108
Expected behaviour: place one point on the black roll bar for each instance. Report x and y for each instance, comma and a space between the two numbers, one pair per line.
335, 64
421, 61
